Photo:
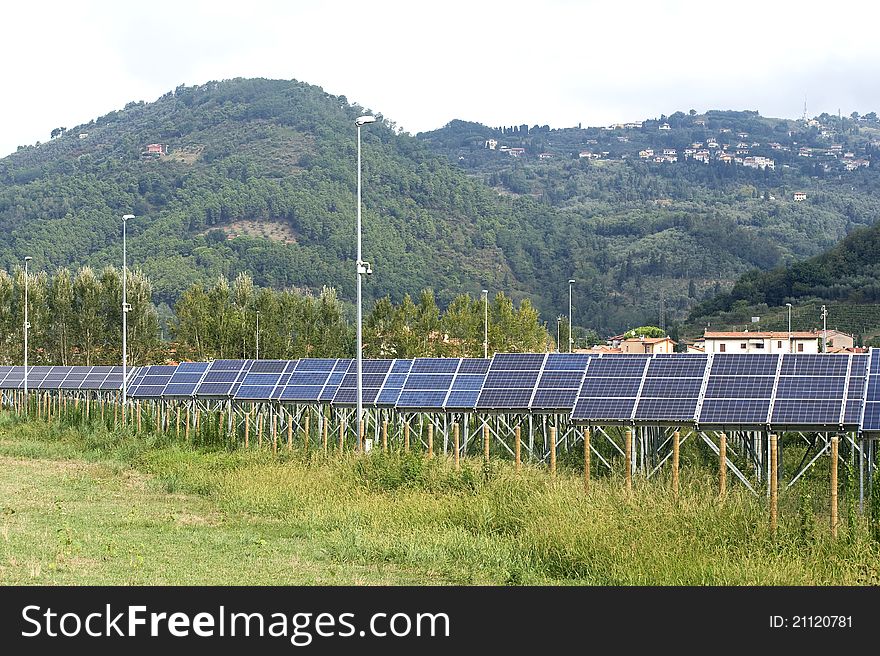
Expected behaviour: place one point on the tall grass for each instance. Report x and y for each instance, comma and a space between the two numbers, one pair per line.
493, 524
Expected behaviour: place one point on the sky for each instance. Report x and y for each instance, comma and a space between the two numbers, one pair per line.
555, 62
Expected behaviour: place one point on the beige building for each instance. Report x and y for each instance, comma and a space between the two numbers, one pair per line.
838, 340
647, 345
761, 342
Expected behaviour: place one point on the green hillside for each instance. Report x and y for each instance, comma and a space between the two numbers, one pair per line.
846, 279
259, 176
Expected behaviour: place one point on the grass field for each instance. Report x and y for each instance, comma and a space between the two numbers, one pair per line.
90, 506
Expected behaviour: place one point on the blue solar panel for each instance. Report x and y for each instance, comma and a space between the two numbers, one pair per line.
185, 379
268, 366
871, 414
557, 388
610, 388
373, 373
54, 378
223, 378
810, 390
467, 384
739, 391
814, 364
510, 383
262, 379
671, 389
151, 384
333, 382
394, 383
435, 366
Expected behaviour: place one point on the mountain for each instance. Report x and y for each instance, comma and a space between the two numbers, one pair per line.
259, 175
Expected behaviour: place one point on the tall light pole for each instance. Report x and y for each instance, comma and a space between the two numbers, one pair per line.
558, 321
27, 325
485, 323
824, 329
570, 338
788, 305
363, 268
257, 349
125, 308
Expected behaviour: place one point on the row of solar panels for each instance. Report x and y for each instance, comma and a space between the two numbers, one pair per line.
721, 389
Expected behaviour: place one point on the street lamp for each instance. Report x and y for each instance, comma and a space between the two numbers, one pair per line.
363, 268
485, 323
558, 320
27, 325
257, 349
788, 305
125, 308
824, 330
570, 338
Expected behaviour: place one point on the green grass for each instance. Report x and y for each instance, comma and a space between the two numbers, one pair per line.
90, 506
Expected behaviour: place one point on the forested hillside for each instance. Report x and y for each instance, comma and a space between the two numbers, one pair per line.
258, 176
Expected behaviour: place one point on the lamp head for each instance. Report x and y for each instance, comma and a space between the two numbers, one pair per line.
126, 217
28, 258
571, 281
363, 120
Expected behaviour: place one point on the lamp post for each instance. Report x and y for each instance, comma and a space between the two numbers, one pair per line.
558, 321
570, 338
27, 326
125, 308
257, 345
485, 323
788, 305
363, 268
824, 330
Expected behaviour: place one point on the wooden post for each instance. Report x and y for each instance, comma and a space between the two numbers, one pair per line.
220, 423
341, 435
274, 434
138, 416
384, 436
115, 415
361, 429
517, 443
455, 442
774, 484
553, 451
326, 432
722, 466
676, 445
259, 429
834, 447
306, 434
290, 433
586, 459
627, 459
430, 441
486, 443
247, 429
406, 437
188, 422
198, 419
102, 409
177, 424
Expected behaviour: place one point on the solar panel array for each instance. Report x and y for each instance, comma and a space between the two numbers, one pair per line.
98, 378
753, 390
740, 389
871, 415
611, 388
511, 380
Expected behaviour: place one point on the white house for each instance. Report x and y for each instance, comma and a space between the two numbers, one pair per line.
761, 342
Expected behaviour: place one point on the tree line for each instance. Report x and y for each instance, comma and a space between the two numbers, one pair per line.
76, 319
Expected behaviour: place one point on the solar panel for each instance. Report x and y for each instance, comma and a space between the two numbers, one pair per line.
810, 390
671, 390
14, 378
303, 380
373, 374
511, 381
739, 389
871, 411
262, 379
222, 378
150, 384
428, 383
334, 380
467, 384
185, 379
610, 389
558, 385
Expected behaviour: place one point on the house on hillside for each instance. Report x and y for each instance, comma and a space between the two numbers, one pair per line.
798, 196
156, 149
665, 126
835, 339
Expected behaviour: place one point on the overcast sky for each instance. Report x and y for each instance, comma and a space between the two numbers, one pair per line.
556, 62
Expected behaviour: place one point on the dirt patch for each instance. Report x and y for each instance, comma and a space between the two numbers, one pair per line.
271, 230
186, 154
